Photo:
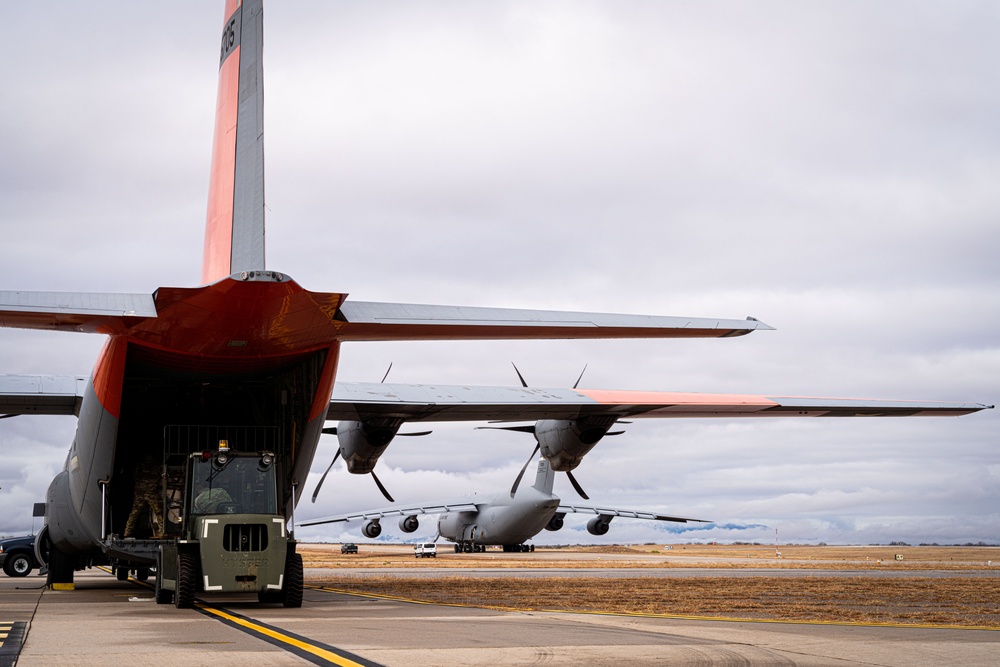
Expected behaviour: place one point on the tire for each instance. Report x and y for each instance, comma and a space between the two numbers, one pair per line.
142, 573
18, 565
61, 567
121, 572
187, 581
294, 581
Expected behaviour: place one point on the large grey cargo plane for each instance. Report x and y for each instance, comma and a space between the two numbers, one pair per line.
506, 519
238, 375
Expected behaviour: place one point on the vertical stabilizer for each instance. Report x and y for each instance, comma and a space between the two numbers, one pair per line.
545, 477
234, 229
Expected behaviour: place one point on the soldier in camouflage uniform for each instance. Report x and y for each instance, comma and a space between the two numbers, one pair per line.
148, 494
208, 499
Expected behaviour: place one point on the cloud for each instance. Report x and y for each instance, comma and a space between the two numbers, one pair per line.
829, 169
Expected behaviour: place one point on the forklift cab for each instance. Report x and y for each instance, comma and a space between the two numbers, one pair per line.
225, 482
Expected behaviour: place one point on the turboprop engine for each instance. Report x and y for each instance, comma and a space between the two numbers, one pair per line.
362, 443
564, 442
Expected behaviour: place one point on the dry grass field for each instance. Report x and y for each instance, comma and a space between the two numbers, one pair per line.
958, 601
682, 555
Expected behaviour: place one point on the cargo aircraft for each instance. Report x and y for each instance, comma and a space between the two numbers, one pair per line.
228, 384
505, 519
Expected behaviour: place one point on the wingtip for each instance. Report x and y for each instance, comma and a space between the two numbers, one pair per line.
758, 325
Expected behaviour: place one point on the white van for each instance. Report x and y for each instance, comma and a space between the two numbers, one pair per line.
425, 550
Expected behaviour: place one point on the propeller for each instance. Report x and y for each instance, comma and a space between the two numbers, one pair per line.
531, 429
329, 468
576, 485
6, 416
381, 488
332, 430
517, 481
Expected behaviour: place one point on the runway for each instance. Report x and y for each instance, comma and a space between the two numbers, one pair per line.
107, 622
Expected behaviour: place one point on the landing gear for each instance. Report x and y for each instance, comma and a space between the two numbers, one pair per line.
518, 548
61, 568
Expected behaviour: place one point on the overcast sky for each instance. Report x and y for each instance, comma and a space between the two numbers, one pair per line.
830, 168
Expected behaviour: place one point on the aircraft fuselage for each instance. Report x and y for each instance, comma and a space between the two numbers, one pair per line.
252, 351
502, 519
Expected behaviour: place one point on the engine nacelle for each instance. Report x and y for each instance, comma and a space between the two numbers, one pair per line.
564, 442
372, 529
556, 522
362, 443
408, 524
599, 525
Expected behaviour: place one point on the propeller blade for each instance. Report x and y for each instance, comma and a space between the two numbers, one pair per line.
521, 429
330, 430
577, 383
519, 376
6, 416
382, 488
614, 433
417, 433
517, 481
323, 478
576, 485
386, 373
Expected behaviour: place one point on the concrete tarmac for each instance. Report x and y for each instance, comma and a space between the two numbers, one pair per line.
107, 622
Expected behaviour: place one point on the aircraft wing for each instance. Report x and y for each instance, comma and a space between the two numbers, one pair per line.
418, 402
41, 394
433, 507
366, 320
88, 312
631, 514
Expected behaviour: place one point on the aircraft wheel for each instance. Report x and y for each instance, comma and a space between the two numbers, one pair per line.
187, 581
121, 572
61, 567
142, 573
293, 581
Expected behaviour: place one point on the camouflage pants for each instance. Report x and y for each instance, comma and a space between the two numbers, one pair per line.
146, 498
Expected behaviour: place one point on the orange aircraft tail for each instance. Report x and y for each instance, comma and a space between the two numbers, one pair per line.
234, 229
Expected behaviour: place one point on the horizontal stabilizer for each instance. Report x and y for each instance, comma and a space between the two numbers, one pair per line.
411, 402
363, 320
41, 394
88, 312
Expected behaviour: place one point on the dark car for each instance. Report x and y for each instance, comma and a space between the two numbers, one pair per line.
349, 549
17, 555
